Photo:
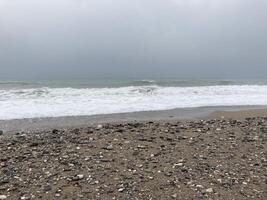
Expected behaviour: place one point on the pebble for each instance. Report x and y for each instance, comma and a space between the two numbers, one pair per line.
178, 165
57, 195
1, 132
209, 190
47, 188
55, 131
99, 126
2, 197
109, 147
80, 176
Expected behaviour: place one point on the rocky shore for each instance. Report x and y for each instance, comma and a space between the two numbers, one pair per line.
203, 159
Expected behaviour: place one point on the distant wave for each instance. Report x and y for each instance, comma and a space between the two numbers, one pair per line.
147, 81
184, 83
142, 82
55, 102
14, 83
123, 83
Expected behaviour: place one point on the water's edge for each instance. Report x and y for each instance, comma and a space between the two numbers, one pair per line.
38, 124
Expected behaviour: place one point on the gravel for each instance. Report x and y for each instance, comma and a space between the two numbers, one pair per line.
204, 159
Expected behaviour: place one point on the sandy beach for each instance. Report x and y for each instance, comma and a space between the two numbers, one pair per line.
204, 153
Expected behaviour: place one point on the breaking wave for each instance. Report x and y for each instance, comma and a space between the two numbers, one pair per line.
55, 102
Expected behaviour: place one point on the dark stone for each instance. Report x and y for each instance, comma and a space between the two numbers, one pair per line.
47, 188
34, 144
55, 131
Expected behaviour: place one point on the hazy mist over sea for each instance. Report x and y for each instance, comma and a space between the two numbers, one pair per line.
120, 39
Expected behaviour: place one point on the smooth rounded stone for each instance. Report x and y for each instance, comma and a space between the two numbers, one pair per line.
47, 188
1, 132
57, 195
78, 177
22, 136
2, 197
209, 190
55, 131
99, 126
178, 165
109, 147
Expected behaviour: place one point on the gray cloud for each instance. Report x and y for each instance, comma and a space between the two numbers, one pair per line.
122, 38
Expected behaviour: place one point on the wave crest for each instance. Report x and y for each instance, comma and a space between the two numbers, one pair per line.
55, 102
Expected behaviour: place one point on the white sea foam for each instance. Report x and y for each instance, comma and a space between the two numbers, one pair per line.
54, 102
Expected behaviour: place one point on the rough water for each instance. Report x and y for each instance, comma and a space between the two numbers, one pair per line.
74, 98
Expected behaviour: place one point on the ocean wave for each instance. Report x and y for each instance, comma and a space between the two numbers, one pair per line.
142, 82
184, 83
54, 102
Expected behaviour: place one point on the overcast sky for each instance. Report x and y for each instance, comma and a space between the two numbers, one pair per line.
51, 39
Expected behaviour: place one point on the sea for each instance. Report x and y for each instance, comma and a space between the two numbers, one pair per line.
39, 99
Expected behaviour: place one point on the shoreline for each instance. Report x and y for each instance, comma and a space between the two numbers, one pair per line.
180, 114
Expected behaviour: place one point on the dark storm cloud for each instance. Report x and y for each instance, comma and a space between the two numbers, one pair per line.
133, 38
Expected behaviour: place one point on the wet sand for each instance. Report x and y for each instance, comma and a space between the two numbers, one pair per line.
206, 155
181, 114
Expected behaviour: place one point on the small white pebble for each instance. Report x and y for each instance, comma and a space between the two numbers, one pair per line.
99, 126
209, 190
2, 197
80, 176
178, 165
